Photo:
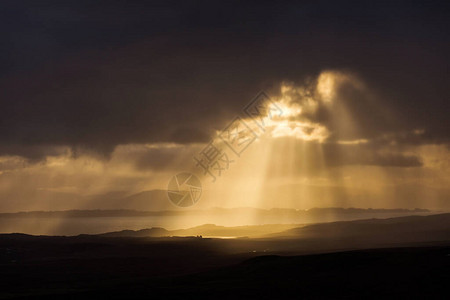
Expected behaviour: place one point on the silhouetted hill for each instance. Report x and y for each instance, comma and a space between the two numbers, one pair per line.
102, 267
143, 264
438, 224
206, 230
420, 273
227, 222
152, 232
348, 234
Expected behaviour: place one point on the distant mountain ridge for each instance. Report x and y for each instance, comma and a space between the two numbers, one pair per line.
138, 213
49, 200
52, 200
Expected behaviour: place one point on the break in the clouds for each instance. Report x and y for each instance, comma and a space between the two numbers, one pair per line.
130, 91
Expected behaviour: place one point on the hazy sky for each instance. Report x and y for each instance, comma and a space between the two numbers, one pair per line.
116, 97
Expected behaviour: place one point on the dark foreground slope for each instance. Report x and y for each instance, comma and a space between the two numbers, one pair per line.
95, 267
397, 273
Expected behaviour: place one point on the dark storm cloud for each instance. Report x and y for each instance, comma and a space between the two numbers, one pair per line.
32, 153
158, 157
102, 73
312, 158
336, 155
